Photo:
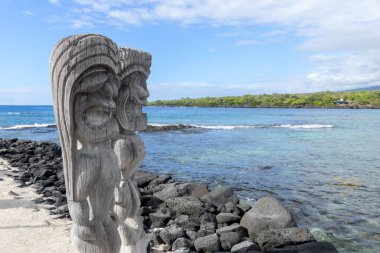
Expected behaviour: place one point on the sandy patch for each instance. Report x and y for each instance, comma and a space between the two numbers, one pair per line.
24, 226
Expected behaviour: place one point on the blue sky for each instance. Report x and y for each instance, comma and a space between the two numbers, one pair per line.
201, 48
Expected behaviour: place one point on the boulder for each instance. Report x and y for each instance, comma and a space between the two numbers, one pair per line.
186, 222
227, 240
162, 179
245, 246
266, 213
171, 233
159, 219
182, 243
199, 190
182, 250
143, 178
167, 193
192, 235
228, 218
220, 196
232, 228
275, 238
150, 200
208, 243
207, 228
185, 205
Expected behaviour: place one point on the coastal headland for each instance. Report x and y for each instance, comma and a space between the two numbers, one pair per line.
178, 216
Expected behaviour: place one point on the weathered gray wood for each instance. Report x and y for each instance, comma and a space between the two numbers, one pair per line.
129, 148
98, 92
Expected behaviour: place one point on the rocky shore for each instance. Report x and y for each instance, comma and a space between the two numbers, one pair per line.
178, 216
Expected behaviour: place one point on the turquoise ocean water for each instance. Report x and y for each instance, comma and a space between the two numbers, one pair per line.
323, 163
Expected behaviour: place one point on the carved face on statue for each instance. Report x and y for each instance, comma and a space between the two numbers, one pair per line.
95, 106
132, 96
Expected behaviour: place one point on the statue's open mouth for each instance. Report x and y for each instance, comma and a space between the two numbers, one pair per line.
98, 115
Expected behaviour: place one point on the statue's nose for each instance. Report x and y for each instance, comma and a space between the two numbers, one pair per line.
109, 90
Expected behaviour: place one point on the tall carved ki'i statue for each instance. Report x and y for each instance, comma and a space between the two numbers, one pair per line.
85, 85
134, 69
97, 119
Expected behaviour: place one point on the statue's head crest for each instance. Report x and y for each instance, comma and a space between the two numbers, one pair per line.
132, 60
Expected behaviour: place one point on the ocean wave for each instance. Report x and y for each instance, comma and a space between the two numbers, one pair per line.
306, 126
36, 125
231, 127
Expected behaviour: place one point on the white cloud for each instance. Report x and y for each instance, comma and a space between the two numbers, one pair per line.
54, 2
28, 13
248, 42
346, 71
327, 26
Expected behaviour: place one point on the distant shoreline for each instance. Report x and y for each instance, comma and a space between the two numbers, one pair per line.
327, 99
260, 107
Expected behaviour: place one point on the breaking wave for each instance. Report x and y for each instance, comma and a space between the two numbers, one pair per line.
36, 125
231, 127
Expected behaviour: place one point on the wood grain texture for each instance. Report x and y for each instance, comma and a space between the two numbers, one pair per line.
98, 91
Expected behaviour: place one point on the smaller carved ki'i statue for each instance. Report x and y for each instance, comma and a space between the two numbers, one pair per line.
129, 148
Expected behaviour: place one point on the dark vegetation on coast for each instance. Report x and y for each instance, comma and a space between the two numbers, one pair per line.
347, 99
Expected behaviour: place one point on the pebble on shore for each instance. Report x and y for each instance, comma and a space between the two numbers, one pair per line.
178, 217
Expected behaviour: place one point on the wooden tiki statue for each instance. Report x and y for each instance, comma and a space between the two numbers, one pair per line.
85, 86
134, 69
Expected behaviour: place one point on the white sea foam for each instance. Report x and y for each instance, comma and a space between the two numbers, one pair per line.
305, 126
14, 113
36, 125
231, 127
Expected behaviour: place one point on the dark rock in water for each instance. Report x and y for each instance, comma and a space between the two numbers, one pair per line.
151, 128
171, 233
162, 179
275, 238
209, 243
245, 246
1, 179
182, 243
227, 240
185, 205
317, 247
220, 196
311, 247
228, 218
266, 213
